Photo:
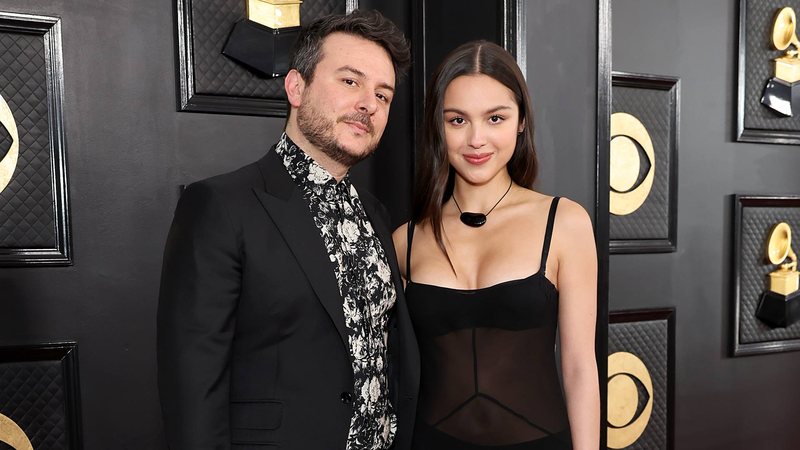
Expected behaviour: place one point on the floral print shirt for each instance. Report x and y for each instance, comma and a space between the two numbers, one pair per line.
365, 284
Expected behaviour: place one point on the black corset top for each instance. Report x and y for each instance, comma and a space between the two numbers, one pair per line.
488, 370
530, 302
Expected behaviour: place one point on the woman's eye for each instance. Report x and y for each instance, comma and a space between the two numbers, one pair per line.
457, 121
496, 119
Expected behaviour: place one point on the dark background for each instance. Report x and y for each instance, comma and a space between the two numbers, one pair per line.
721, 402
474, 19
128, 150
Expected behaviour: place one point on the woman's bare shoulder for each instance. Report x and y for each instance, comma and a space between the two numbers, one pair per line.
573, 232
541, 202
399, 237
572, 216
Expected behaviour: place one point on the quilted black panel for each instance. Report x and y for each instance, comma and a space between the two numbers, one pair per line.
27, 204
759, 67
652, 108
5, 141
216, 74
32, 395
648, 340
755, 227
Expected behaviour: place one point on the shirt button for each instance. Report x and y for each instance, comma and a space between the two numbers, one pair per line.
347, 398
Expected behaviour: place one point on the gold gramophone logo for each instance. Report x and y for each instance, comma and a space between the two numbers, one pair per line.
782, 92
274, 13
8, 163
630, 399
12, 434
629, 190
779, 252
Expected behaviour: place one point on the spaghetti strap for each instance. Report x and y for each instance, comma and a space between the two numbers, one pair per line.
408, 250
548, 234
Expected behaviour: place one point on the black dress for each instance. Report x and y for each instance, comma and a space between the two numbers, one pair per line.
489, 377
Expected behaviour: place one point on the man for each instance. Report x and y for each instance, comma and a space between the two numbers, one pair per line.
281, 320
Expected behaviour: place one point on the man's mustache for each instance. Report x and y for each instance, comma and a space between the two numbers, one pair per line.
359, 118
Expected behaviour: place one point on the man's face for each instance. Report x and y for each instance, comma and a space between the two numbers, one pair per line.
343, 111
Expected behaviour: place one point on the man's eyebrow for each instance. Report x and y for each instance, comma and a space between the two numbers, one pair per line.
352, 70
361, 74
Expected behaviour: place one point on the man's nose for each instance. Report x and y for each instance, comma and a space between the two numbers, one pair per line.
367, 103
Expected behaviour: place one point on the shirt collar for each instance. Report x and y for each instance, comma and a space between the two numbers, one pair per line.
306, 172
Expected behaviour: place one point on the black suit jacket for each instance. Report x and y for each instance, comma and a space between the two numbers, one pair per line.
252, 345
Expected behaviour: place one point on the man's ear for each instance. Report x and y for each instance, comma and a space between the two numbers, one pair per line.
294, 85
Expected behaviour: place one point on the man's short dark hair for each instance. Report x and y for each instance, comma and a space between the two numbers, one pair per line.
368, 24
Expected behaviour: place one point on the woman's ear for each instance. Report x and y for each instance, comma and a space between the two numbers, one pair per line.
294, 85
521, 126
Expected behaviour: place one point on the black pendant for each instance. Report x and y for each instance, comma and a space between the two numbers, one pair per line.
473, 219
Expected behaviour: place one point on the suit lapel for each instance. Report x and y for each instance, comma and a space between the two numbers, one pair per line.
289, 211
408, 357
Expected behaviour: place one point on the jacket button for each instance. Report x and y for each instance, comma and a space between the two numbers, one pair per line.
347, 398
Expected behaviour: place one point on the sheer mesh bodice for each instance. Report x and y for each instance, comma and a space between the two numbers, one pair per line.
489, 377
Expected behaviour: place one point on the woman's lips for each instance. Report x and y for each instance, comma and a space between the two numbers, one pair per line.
477, 158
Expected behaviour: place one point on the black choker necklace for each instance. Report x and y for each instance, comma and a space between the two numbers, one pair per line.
476, 220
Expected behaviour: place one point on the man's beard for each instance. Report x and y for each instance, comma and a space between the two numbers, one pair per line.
318, 130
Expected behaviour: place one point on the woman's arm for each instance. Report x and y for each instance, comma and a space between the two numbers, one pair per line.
573, 241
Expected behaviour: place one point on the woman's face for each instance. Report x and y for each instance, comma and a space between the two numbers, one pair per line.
481, 122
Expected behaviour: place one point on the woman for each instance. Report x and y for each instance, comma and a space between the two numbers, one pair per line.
492, 269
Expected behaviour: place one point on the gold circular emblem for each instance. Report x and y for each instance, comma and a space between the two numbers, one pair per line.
621, 408
626, 132
9, 162
624, 425
12, 434
625, 170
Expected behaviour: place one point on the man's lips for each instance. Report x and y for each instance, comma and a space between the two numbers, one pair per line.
477, 158
359, 126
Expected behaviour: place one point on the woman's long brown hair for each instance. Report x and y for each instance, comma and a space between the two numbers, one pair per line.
434, 175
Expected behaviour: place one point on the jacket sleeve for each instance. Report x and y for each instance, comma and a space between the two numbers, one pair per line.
200, 286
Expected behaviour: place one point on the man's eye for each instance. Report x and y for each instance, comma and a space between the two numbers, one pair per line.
349, 82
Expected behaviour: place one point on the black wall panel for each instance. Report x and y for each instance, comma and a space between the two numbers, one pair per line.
562, 78
721, 402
